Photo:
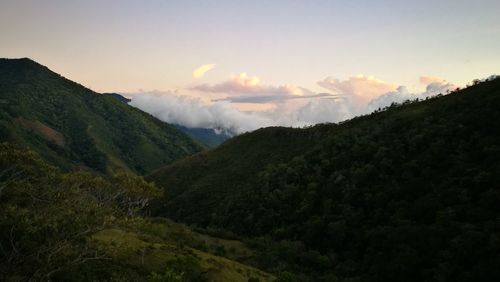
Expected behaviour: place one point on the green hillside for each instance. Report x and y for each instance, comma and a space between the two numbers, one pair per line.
72, 126
410, 193
77, 226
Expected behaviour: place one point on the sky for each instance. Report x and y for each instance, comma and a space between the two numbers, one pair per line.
278, 62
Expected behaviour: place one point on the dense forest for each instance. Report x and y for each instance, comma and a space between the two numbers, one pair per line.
410, 193
72, 126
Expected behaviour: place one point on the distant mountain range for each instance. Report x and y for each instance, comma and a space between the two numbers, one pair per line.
72, 126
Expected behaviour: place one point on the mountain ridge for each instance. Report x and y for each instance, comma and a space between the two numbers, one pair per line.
100, 132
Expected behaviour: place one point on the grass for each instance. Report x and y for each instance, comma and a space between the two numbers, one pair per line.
151, 251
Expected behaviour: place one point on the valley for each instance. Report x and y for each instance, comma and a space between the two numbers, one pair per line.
93, 189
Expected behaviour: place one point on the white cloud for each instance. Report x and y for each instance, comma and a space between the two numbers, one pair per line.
200, 71
402, 94
324, 110
193, 112
335, 110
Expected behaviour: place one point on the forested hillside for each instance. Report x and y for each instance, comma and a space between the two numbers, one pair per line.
410, 193
72, 126
78, 226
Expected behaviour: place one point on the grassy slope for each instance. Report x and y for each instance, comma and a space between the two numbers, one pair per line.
100, 132
149, 248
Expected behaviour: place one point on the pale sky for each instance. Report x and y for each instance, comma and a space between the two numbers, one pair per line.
288, 47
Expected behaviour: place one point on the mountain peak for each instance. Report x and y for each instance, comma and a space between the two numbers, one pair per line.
22, 69
19, 61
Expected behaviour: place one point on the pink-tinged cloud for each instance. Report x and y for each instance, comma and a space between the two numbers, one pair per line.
245, 84
248, 89
242, 83
360, 87
426, 80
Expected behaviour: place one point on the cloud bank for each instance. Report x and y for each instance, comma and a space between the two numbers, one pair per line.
292, 105
193, 112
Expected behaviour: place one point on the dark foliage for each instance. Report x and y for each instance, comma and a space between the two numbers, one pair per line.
79, 226
48, 217
411, 193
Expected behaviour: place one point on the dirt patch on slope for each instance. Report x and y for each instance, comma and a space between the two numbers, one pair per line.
42, 129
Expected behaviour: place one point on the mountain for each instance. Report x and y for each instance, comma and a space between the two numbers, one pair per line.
409, 193
67, 224
206, 136
71, 126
